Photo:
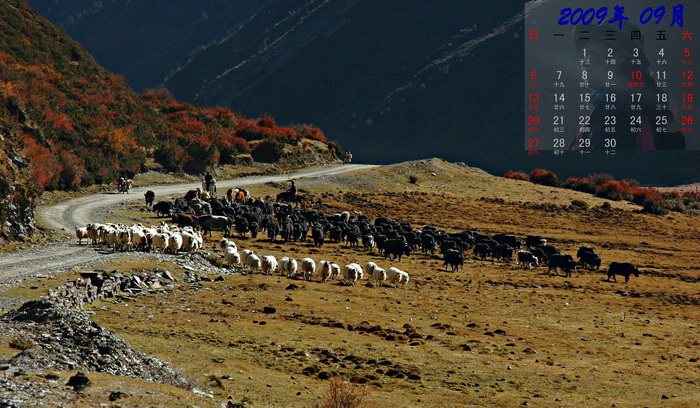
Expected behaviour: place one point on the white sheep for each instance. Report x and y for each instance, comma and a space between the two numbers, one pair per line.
360, 274
370, 267
81, 233
253, 263
269, 264
232, 257
245, 254
93, 233
124, 240
288, 266
111, 238
325, 270
352, 273
175, 242
225, 243
308, 267
160, 241
397, 276
138, 239
378, 275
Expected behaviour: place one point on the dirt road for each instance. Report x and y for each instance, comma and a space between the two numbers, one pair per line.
80, 211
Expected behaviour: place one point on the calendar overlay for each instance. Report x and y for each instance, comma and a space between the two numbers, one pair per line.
601, 78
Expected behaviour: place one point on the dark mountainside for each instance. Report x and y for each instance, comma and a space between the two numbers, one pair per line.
397, 81
146, 40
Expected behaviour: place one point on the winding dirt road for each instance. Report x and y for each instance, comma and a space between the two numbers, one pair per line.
94, 208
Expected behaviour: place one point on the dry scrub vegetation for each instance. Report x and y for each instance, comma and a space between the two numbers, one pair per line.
488, 335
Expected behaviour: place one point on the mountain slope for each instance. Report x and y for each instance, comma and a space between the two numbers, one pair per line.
145, 40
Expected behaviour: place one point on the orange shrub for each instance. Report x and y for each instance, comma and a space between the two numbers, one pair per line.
517, 175
614, 190
544, 177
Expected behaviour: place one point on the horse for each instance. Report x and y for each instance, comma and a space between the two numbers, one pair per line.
289, 197
209, 187
123, 185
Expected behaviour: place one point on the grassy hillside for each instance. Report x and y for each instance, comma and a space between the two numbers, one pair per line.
79, 124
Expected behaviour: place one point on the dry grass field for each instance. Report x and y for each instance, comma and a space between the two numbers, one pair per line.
487, 335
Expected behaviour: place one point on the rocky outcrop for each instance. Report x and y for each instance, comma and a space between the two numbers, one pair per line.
68, 340
17, 192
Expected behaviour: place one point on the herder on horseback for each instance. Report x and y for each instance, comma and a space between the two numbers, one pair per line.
291, 196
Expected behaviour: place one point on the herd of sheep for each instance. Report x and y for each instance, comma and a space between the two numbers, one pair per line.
173, 239
249, 261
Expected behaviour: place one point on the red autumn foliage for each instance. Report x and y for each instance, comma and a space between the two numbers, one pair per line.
517, 175
544, 177
267, 121
60, 121
614, 190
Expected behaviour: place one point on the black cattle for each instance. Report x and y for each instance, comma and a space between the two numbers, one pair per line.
287, 231
623, 269
454, 258
163, 208
492, 243
533, 241
318, 236
502, 252
242, 226
396, 248
565, 262
548, 251
184, 220
273, 229
182, 205
336, 234
254, 229
481, 251
379, 241
481, 237
214, 222
526, 258
149, 196
539, 254
590, 260
451, 243
583, 250
427, 242
510, 240
411, 239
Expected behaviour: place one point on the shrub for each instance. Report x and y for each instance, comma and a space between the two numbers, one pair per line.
413, 179
267, 121
614, 190
517, 175
268, 151
341, 394
544, 177
170, 156
580, 184
654, 205
580, 204
597, 180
